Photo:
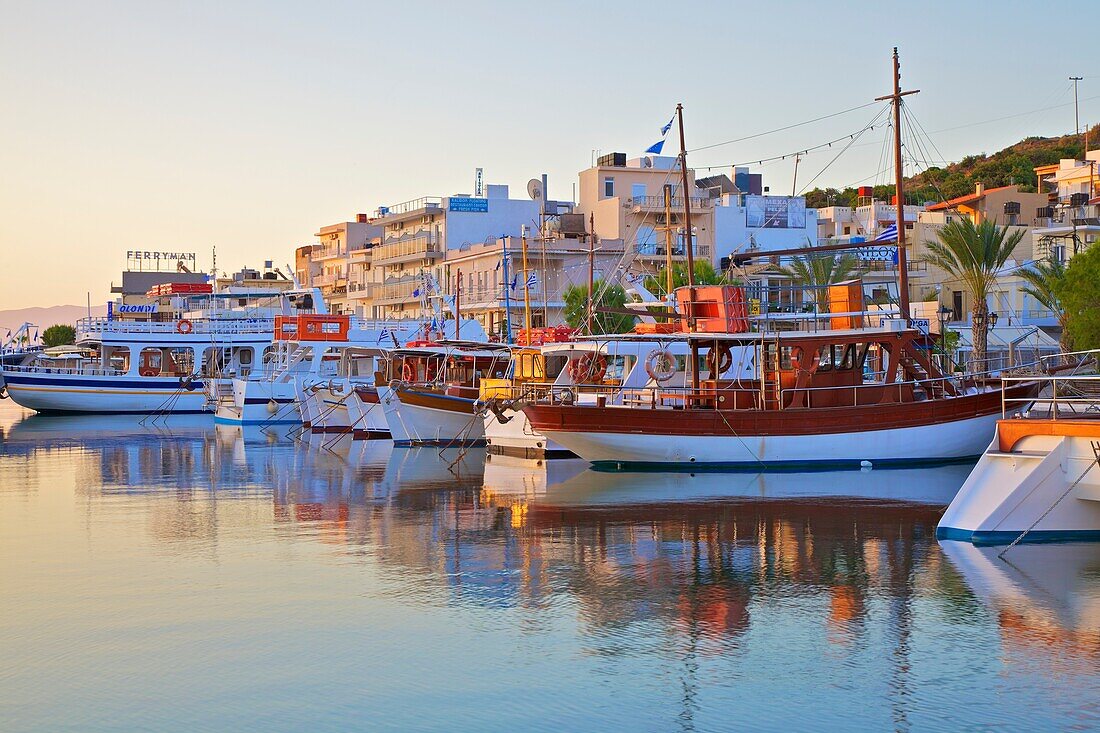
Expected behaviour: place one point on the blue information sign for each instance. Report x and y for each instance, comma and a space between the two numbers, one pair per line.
480, 206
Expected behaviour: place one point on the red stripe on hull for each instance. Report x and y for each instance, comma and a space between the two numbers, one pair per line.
796, 421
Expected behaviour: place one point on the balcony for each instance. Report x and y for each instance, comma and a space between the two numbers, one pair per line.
398, 291
657, 251
421, 245
657, 203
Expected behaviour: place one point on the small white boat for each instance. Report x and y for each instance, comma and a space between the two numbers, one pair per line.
1039, 480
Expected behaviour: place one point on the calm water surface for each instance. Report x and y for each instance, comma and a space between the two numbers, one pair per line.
181, 578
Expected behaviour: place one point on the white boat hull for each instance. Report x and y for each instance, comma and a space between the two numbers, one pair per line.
926, 443
1029, 489
417, 425
517, 437
84, 393
368, 419
259, 402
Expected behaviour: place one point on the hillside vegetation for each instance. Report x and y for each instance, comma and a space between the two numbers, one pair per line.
1014, 164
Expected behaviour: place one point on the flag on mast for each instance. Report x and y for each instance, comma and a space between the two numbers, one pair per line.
656, 147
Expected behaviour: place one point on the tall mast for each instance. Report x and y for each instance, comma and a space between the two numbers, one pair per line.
899, 190
526, 289
591, 272
687, 200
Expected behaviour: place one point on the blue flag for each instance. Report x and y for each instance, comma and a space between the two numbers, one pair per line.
515, 279
667, 127
656, 147
416, 293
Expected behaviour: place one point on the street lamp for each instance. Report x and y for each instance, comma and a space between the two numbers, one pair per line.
944, 315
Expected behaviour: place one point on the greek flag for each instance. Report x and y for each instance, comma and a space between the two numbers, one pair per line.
384, 333
889, 234
532, 280
656, 147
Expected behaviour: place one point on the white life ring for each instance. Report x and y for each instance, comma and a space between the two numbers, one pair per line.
660, 365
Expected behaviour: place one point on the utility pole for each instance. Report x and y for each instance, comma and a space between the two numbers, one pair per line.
507, 301
899, 190
1077, 110
458, 304
794, 183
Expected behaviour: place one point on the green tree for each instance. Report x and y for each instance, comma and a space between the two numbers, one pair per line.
1043, 279
705, 274
59, 335
816, 271
606, 296
973, 253
1079, 294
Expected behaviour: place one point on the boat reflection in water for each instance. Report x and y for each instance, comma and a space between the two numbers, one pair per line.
642, 601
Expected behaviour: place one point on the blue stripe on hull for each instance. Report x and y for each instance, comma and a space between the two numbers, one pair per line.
1005, 538
135, 383
230, 421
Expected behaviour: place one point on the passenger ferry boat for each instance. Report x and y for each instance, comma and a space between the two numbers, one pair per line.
430, 394
160, 366
833, 390
1038, 481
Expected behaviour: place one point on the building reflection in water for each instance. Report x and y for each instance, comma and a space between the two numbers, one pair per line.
689, 561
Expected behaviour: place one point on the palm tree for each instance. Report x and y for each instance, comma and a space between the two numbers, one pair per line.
1043, 279
817, 271
973, 254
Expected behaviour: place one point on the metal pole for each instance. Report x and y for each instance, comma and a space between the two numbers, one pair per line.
591, 271
458, 303
687, 200
526, 291
507, 302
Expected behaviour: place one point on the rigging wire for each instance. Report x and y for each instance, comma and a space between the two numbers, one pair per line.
870, 125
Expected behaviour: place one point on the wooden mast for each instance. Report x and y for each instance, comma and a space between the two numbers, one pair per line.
899, 190
688, 250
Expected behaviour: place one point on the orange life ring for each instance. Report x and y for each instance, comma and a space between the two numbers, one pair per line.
724, 358
589, 368
147, 372
408, 372
184, 326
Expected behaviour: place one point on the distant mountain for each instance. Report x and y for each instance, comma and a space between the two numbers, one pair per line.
45, 317
1013, 165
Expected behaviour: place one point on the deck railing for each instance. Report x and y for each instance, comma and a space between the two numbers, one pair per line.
87, 327
1064, 391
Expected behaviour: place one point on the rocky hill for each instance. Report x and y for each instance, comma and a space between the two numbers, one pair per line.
1014, 164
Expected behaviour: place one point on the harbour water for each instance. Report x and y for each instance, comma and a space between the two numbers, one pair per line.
177, 577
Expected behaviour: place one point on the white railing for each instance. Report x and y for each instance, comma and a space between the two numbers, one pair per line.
75, 371
92, 327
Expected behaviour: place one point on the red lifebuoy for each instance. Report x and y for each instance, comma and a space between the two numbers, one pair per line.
408, 372
184, 326
588, 368
147, 372
721, 357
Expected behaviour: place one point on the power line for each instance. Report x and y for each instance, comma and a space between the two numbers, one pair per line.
781, 129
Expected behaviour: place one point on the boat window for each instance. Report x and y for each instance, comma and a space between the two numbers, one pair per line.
166, 362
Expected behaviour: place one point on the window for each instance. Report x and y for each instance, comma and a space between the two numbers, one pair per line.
157, 362
609, 187
637, 191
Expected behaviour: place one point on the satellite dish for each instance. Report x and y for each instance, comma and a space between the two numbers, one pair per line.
534, 189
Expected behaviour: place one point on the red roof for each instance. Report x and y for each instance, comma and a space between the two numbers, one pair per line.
969, 198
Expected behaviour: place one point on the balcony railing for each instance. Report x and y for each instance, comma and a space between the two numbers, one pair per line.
658, 202
424, 202
410, 248
400, 291
658, 250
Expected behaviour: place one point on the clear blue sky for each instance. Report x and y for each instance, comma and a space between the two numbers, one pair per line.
129, 125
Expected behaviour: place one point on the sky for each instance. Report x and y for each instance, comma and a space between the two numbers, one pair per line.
250, 125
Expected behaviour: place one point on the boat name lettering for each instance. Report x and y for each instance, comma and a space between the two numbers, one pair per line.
150, 308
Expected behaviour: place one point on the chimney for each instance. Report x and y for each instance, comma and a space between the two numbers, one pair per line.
979, 188
361, 218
